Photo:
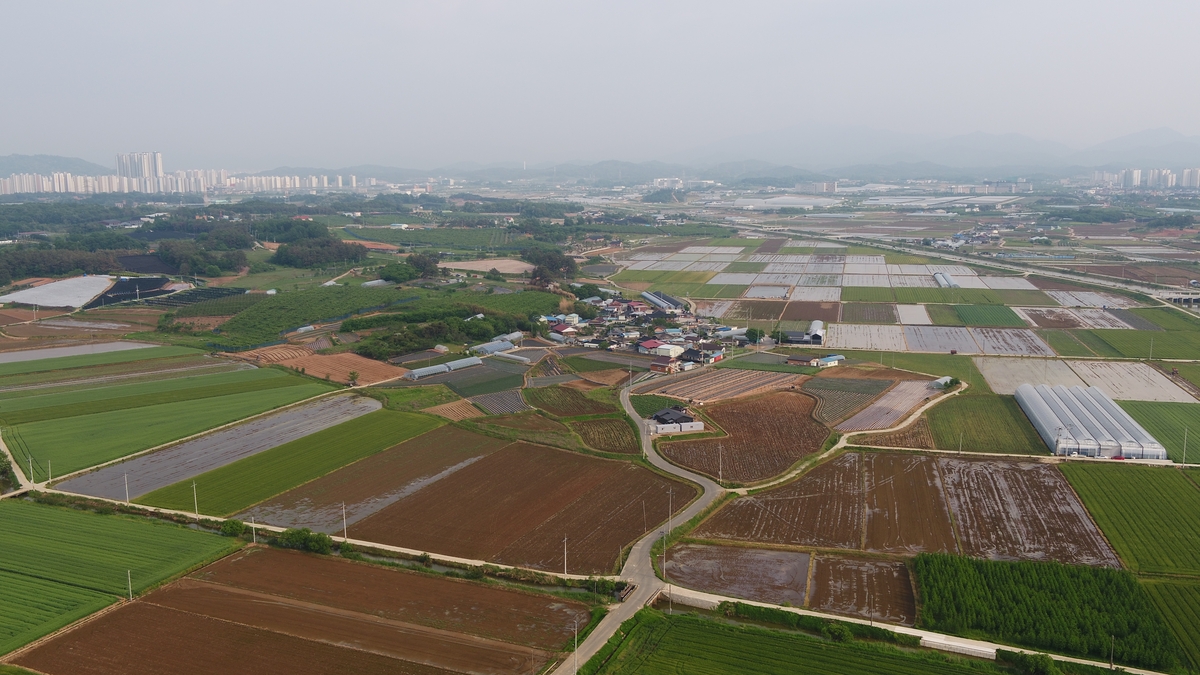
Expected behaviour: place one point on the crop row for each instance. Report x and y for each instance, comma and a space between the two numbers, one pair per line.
563, 402
85, 360
227, 306
609, 434
32, 607
237, 486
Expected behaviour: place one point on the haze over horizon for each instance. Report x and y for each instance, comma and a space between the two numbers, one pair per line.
253, 87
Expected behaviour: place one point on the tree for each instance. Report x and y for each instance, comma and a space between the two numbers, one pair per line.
398, 273
353, 375
754, 335
426, 264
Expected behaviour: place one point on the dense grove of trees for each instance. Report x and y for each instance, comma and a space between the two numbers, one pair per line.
192, 257
318, 251
414, 266
20, 262
1175, 222
550, 263
406, 332
665, 196
1061, 608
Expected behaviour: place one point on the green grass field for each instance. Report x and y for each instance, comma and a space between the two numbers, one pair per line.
1151, 515
121, 396
238, 486
971, 296
1064, 343
1093, 342
728, 291
648, 404
867, 294
745, 267
1146, 344
417, 398
85, 360
1188, 371
989, 315
653, 643
1166, 422
1168, 318
486, 385
939, 365
582, 364
986, 423
869, 312
944, 315
93, 551
1178, 602
75, 443
32, 607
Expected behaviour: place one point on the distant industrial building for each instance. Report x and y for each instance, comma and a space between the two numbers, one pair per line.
1085, 422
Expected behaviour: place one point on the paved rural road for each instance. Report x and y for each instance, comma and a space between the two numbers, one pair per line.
638, 567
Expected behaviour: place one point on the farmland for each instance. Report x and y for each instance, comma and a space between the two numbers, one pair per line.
607, 435
1137, 344
236, 486
754, 574
658, 644
1064, 343
988, 315
71, 444
226, 306
501, 402
905, 508
867, 294
712, 385
1179, 603
43, 364
915, 435
264, 321
861, 312
1010, 341
1130, 381
839, 397
455, 410
890, 408
563, 402
1005, 375
1147, 541
31, 607
1045, 606
515, 505
942, 339
338, 367
984, 424
1166, 422
866, 336
939, 365
766, 436
647, 404
874, 589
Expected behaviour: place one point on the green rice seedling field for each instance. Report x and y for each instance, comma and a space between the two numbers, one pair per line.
19, 385
1064, 343
1093, 342
653, 643
1178, 600
939, 365
986, 424
1188, 371
1066, 609
488, 382
1150, 515
120, 396
92, 551
684, 290
582, 364
237, 486
867, 294
1168, 318
32, 607
74, 443
85, 360
1020, 298
1146, 344
989, 315
1166, 422
944, 315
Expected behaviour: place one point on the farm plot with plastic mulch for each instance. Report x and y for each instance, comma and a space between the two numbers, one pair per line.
1130, 381
839, 397
456, 410
502, 402
766, 436
913, 315
719, 384
940, 339
515, 505
1004, 375
890, 408
1010, 342
866, 336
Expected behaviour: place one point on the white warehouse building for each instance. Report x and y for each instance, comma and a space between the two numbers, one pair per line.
1085, 421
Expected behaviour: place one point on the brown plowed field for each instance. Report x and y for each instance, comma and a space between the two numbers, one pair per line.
434, 601
144, 639
867, 588
368, 486
608, 435
906, 512
527, 423
456, 410
719, 384
10, 316
1022, 511
1052, 317
753, 574
821, 509
273, 354
607, 378
337, 367
756, 310
915, 435
514, 507
812, 311
767, 435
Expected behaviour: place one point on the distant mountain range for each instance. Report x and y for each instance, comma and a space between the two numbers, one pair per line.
787, 156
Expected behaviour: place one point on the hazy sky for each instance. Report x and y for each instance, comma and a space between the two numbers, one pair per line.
252, 85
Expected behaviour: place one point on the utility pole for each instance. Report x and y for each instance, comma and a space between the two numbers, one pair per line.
1185, 430
126, 487
1151, 349
49, 471
960, 439
564, 555
253, 530
195, 501
129, 580
345, 530
721, 463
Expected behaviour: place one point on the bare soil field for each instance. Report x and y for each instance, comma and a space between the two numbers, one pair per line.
502, 265
916, 435
813, 311
1021, 511
1130, 381
337, 367
1005, 375
767, 435
840, 397
456, 410
940, 339
1050, 317
866, 336
718, 384
1010, 341
906, 512
607, 435
10, 316
514, 507
368, 486
1092, 317
870, 589
823, 509
753, 574
191, 458
890, 408
527, 423
756, 310
607, 378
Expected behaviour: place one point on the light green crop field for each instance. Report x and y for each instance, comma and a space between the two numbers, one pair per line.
1168, 318
32, 607
1178, 601
1146, 344
727, 291
1064, 343
939, 365
84, 360
986, 424
656, 644
1093, 342
1166, 422
238, 486
944, 315
79, 442
92, 551
1151, 515
867, 294
989, 315
120, 396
